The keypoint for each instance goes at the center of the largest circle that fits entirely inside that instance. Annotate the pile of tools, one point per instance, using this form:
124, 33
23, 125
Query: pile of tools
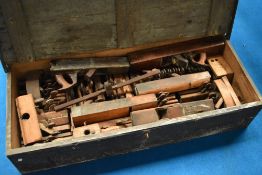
77, 98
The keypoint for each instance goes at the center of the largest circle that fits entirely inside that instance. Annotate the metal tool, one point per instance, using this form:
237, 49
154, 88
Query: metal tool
95, 94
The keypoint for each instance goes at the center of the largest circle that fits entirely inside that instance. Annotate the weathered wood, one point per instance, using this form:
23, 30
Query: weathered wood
18, 29
150, 135
220, 67
141, 21
58, 27
55, 28
221, 20
32, 85
6, 49
117, 64
108, 110
173, 84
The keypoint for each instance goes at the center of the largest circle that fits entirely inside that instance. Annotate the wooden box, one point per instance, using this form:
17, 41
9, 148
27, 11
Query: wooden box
36, 32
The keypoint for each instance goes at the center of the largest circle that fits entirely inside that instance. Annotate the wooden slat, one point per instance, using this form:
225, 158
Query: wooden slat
241, 80
173, 84
28, 119
228, 100
231, 90
97, 112
220, 67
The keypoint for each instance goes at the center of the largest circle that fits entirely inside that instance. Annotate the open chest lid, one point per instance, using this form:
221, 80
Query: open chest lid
32, 30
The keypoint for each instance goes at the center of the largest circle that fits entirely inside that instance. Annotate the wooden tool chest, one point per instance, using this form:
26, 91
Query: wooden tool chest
88, 79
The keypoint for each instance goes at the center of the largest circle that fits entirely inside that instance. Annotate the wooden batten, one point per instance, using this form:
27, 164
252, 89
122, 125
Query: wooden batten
242, 81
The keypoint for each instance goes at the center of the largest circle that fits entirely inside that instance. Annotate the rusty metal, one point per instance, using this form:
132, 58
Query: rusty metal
108, 86
164, 98
55, 98
169, 71
183, 64
48, 85
180, 61
95, 94
110, 93
168, 100
162, 95
144, 116
28, 119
